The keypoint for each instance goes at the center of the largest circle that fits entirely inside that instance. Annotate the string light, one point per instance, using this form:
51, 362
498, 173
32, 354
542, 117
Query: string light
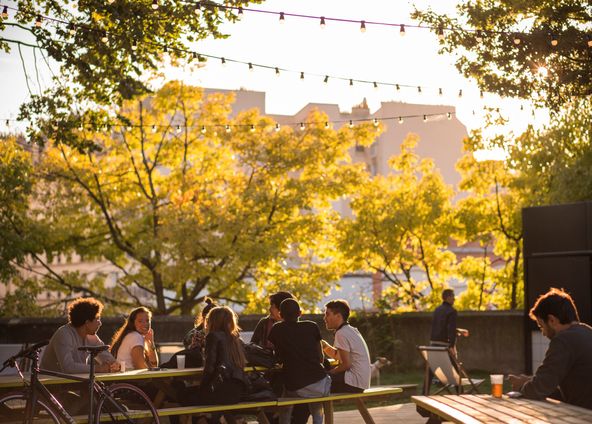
460, 93
400, 119
440, 92
398, 87
277, 127
517, 39
228, 128
402, 30
351, 82
38, 21
425, 118
481, 95
252, 128
154, 4
323, 22
449, 115
326, 125
351, 124
153, 129
362, 26
375, 84
479, 36
5, 12
197, 8
302, 76
223, 61
203, 129
250, 67
277, 71
419, 89
302, 126
178, 129
326, 80
441, 33
104, 37
589, 41
375, 122
282, 19
554, 40
72, 29
240, 13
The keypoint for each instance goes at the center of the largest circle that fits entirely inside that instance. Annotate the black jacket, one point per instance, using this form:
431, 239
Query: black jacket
444, 324
217, 355
261, 334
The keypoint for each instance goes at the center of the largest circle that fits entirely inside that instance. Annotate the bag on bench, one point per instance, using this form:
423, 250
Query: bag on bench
258, 388
259, 356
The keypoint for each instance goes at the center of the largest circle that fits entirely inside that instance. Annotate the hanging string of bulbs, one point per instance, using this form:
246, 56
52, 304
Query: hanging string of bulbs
251, 66
204, 127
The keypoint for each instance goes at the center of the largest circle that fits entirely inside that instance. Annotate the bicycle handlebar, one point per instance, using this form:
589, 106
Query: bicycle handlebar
24, 352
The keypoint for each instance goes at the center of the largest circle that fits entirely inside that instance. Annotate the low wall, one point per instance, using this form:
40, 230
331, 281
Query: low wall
496, 341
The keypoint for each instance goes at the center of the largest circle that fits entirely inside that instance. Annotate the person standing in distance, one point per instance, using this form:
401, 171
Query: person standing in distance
352, 375
444, 323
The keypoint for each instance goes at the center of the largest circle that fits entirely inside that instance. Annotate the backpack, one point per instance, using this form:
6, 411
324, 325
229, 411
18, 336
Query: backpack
259, 356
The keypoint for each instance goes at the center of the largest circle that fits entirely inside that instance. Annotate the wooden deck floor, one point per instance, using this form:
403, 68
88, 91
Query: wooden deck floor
401, 413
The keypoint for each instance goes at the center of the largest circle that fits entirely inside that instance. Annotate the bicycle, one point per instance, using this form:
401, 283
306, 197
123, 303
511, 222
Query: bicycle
119, 402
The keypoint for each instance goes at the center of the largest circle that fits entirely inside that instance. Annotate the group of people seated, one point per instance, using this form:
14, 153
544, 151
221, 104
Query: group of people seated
296, 343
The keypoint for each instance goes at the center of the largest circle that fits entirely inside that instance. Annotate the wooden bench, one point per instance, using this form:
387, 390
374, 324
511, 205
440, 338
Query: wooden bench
260, 407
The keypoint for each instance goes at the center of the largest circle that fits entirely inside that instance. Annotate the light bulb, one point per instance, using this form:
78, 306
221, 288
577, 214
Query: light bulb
479, 36
154, 4
153, 129
351, 82
441, 33
419, 89
517, 39
72, 29
178, 129
250, 67
323, 22
165, 49
589, 41
351, 124
481, 95
402, 30
449, 116
5, 12
301, 76
460, 93
326, 125
302, 126
362, 26
104, 37
375, 122
375, 84
425, 118
38, 21
326, 80
400, 119
282, 19
252, 128
223, 61
398, 87
554, 40
228, 128
277, 127
240, 13
277, 72
203, 129
440, 92
197, 8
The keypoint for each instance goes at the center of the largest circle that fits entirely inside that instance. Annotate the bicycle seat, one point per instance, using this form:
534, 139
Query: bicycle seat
93, 350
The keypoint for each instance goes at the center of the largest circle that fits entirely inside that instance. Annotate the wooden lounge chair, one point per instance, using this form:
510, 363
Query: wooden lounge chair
448, 370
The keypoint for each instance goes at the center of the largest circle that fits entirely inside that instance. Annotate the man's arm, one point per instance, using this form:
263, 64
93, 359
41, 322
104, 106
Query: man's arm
451, 328
344, 362
555, 367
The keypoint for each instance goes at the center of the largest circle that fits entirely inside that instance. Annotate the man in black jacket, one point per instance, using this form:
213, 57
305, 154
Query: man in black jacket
566, 371
444, 323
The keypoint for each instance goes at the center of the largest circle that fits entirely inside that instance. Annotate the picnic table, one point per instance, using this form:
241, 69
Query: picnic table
477, 409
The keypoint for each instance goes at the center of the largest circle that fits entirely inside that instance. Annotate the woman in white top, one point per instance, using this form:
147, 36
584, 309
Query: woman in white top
133, 343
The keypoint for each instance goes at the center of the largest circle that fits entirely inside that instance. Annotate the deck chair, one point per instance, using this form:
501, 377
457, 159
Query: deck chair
446, 369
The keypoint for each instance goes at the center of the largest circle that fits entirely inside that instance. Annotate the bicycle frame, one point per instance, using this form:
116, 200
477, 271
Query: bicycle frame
36, 389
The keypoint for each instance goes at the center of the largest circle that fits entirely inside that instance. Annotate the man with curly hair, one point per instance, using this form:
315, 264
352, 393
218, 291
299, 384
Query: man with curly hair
62, 354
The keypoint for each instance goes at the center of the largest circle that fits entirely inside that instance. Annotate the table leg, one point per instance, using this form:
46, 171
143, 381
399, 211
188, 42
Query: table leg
328, 409
364, 412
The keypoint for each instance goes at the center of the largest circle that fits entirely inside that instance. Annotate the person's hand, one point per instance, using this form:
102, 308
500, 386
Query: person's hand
108, 367
463, 332
114, 366
517, 381
149, 337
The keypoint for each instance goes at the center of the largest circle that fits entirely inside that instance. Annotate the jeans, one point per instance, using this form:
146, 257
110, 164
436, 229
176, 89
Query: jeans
318, 389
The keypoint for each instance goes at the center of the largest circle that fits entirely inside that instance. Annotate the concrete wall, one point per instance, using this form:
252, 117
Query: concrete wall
496, 342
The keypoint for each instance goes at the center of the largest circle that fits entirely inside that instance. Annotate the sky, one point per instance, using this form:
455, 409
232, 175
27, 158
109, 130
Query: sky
340, 49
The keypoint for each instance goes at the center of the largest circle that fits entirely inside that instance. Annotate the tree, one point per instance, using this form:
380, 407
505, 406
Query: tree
490, 215
401, 229
502, 44
107, 51
193, 209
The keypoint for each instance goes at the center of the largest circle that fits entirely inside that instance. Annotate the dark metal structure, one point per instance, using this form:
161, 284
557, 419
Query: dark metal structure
557, 253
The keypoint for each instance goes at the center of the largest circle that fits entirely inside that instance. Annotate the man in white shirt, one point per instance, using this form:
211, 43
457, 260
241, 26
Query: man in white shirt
352, 375
62, 354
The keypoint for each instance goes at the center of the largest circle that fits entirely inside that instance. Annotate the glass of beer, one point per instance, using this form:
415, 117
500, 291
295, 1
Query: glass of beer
497, 384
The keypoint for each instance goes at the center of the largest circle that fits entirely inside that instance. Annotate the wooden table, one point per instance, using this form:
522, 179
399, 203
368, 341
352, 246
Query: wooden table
13, 381
476, 409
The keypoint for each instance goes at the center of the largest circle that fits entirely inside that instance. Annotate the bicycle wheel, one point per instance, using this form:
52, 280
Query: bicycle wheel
125, 403
13, 406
